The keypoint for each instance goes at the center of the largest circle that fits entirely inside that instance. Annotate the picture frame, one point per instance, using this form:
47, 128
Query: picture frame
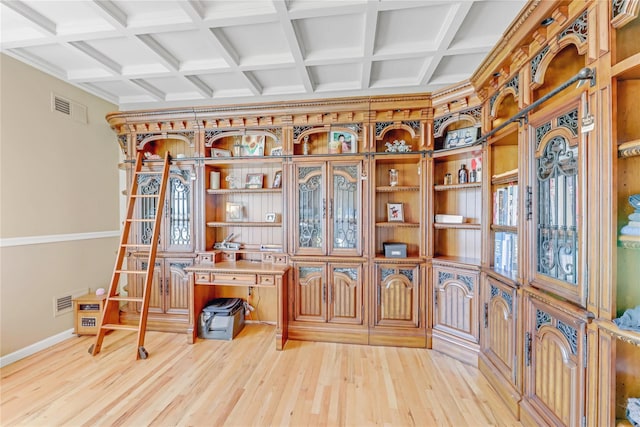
395, 212
235, 212
252, 145
342, 142
270, 217
219, 152
277, 180
276, 151
461, 137
254, 180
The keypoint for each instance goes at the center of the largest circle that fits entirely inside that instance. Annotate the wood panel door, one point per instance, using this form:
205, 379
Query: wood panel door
397, 295
310, 292
345, 294
170, 288
498, 338
456, 302
555, 364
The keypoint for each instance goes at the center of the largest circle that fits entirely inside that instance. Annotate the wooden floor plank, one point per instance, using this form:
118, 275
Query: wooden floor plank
244, 382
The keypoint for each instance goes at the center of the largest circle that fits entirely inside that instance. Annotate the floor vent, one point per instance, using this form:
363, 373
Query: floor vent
75, 110
64, 304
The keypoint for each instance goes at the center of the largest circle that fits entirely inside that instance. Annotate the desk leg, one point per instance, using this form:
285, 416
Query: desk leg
282, 325
202, 294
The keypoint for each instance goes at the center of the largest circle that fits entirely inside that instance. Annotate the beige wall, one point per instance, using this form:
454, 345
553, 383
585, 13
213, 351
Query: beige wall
57, 177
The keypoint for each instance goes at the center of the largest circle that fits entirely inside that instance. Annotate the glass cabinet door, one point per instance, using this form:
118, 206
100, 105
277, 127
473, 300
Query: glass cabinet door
310, 209
344, 208
176, 234
556, 197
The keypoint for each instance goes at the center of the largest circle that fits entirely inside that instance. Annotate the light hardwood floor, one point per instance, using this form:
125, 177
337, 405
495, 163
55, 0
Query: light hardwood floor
244, 382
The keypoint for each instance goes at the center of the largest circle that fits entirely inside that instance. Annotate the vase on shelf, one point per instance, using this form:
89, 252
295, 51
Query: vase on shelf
393, 177
633, 227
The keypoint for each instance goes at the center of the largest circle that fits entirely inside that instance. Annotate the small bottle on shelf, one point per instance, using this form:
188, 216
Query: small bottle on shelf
473, 176
463, 175
448, 179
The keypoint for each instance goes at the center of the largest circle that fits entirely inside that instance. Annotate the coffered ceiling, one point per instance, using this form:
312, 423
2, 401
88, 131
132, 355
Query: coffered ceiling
169, 53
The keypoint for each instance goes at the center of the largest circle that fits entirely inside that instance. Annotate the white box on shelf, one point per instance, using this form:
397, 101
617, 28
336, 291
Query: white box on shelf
451, 219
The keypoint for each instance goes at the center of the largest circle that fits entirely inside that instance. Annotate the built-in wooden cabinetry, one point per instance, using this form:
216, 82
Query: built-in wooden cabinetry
520, 267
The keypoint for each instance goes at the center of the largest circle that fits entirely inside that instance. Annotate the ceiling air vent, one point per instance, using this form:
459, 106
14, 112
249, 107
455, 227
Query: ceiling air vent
75, 110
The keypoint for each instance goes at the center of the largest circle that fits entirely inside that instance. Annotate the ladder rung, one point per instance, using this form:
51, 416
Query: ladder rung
141, 219
131, 271
127, 299
119, 327
135, 245
146, 196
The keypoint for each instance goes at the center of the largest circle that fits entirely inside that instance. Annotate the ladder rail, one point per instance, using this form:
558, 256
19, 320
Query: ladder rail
111, 311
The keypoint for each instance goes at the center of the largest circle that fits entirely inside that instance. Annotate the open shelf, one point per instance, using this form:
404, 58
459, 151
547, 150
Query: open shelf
244, 224
505, 178
504, 228
449, 259
452, 225
629, 242
629, 149
394, 189
243, 190
442, 187
397, 224
612, 329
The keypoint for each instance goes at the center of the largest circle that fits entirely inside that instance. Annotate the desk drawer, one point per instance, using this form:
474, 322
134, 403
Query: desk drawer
266, 279
203, 277
234, 278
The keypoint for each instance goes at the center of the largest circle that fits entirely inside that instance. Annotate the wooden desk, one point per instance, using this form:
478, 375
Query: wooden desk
204, 277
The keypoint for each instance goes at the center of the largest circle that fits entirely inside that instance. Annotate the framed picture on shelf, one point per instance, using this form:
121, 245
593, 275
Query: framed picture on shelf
342, 142
254, 180
395, 212
252, 145
461, 137
218, 152
277, 180
270, 217
234, 212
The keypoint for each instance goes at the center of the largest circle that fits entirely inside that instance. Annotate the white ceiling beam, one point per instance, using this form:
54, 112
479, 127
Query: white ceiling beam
112, 13
40, 20
451, 25
37, 62
370, 27
295, 45
150, 89
165, 56
98, 56
202, 87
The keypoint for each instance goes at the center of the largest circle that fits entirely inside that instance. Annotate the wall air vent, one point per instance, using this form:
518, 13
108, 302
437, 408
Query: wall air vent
64, 304
75, 110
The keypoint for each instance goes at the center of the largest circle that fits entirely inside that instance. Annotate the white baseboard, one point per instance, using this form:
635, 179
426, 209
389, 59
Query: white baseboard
34, 348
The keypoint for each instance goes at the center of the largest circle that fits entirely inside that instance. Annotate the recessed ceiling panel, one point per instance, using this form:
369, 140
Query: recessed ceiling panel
258, 44
152, 13
396, 72
118, 88
66, 58
452, 67
340, 36
70, 17
416, 28
336, 77
192, 49
134, 56
220, 10
226, 84
277, 81
16, 27
475, 31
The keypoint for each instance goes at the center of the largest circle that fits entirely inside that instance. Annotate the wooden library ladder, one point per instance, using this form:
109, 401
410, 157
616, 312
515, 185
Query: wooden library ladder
111, 314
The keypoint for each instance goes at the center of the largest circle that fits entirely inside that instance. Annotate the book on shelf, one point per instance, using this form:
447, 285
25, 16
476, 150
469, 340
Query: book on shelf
505, 251
505, 206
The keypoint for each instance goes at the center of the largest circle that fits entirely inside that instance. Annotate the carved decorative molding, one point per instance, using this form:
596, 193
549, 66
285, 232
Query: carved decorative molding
629, 149
579, 28
623, 12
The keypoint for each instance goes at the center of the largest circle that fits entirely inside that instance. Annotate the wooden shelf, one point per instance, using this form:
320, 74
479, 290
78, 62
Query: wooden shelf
458, 153
628, 68
612, 329
244, 224
244, 190
395, 189
509, 276
462, 226
504, 228
457, 260
397, 224
629, 149
410, 258
447, 187
505, 178
629, 242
